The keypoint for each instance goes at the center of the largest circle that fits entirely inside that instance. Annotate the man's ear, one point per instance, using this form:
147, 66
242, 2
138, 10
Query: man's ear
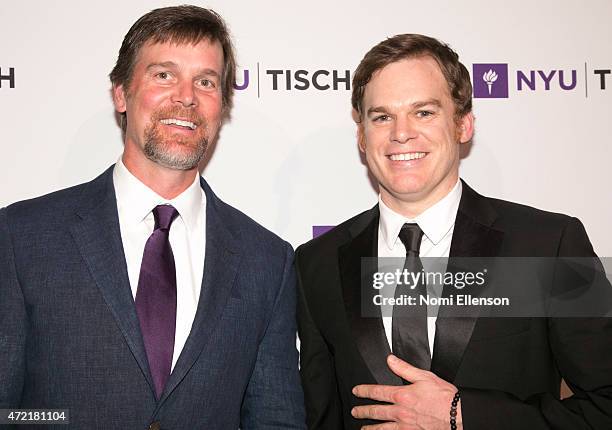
466, 127
360, 133
119, 98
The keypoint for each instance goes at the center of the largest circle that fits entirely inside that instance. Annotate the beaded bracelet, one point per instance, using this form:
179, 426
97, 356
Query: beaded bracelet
453, 411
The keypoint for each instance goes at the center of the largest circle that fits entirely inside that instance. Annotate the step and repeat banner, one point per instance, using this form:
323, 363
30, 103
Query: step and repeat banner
289, 155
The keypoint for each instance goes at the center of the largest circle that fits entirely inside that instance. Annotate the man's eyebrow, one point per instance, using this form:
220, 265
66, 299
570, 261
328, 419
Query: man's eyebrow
434, 102
209, 72
169, 64
173, 65
376, 109
415, 105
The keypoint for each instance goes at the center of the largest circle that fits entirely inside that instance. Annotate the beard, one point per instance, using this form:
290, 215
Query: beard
175, 151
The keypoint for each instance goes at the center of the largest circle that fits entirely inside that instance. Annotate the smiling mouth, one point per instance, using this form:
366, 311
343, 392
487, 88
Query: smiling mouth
407, 156
179, 122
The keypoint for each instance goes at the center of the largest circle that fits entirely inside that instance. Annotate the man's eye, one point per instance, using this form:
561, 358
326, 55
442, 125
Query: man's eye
163, 75
424, 113
207, 83
381, 118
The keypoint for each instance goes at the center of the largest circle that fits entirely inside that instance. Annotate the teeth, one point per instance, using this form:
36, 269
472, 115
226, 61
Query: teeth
407, 156
179, 122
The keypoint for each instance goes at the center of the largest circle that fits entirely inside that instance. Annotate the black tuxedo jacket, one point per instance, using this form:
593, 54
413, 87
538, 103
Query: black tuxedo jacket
508, 369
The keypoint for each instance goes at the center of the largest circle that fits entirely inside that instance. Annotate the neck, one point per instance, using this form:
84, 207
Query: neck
407, 209
168, 183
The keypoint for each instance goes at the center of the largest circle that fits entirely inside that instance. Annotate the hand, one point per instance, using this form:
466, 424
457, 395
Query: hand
425, 404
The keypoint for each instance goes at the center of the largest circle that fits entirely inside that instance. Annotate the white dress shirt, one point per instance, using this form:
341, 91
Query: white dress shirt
437, 223
135, 203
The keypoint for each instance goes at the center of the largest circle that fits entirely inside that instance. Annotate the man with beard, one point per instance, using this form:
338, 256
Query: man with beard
140, 299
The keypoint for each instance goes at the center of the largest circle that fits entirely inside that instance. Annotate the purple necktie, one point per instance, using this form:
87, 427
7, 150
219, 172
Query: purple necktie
156, 297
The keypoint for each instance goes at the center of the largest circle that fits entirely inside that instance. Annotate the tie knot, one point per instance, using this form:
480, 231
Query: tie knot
411, 235
164, 215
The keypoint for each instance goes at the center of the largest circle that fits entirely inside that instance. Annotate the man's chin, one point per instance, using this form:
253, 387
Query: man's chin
174, 162
410, 190
176, 156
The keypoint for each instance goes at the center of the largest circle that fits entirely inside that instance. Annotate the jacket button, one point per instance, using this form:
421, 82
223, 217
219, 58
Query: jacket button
155, 425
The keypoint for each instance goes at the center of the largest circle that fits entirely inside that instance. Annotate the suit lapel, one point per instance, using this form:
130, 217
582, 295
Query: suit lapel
367, 331
98, 237
220, 268
473, 236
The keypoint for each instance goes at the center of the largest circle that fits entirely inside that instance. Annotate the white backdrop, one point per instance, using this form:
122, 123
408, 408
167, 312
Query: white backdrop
289, 158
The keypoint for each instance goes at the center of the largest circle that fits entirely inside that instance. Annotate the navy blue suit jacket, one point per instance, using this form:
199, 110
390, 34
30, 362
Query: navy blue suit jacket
70, 337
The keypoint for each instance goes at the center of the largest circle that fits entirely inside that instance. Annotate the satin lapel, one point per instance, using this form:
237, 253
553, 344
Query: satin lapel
368, 332
220, 268
472, 237
98, 238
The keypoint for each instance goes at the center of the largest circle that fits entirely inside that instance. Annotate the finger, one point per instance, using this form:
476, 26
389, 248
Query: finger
383, 426
406, 371
382, 393
376, 412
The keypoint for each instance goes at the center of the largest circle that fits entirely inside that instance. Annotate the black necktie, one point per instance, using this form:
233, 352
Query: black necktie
409, 332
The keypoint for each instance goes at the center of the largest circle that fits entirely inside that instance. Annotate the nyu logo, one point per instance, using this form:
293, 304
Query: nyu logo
530, 79
10, 77
490, 80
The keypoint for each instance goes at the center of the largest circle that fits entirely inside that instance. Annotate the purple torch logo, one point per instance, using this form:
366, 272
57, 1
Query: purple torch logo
490, 80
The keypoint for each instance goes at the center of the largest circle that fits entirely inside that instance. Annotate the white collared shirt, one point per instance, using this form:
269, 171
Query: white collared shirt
135, 203
437, 223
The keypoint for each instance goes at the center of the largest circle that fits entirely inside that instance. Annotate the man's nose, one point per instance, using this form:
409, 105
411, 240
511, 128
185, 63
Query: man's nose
184, 94
403, 130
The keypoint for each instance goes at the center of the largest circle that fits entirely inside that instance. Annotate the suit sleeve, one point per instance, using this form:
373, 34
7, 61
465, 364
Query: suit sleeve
13, 323
323, 406
274, 398
582, 348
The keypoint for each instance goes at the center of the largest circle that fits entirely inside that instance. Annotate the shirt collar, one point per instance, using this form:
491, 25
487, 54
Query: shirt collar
135, 200
436, 221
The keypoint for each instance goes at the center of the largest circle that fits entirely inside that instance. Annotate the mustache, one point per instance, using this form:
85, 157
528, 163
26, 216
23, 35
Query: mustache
177, 112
